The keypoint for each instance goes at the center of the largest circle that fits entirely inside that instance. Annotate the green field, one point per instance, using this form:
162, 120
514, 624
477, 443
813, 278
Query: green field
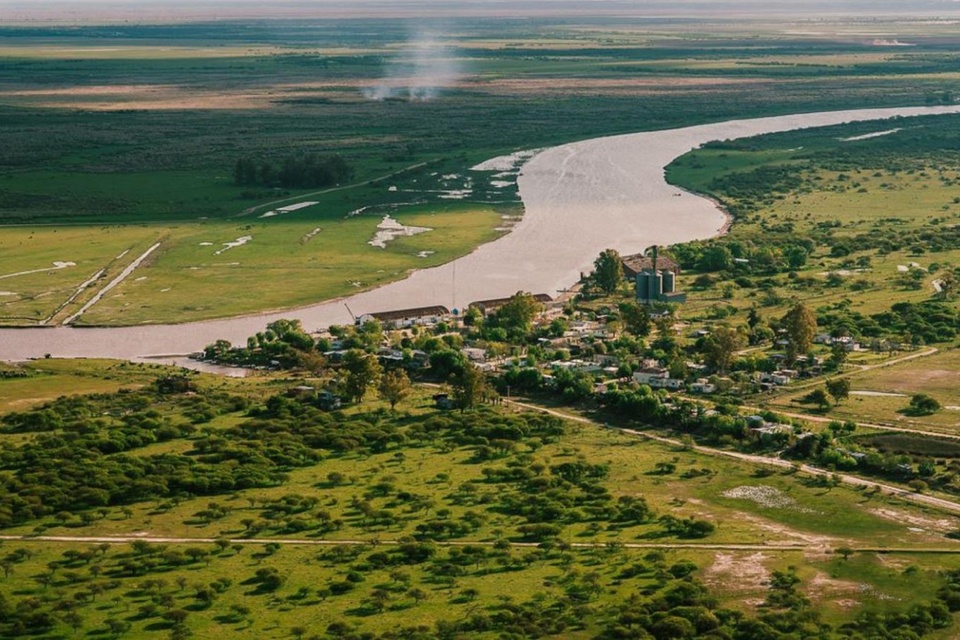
874, 218
149, 121
881, 395
303, 258
372, 479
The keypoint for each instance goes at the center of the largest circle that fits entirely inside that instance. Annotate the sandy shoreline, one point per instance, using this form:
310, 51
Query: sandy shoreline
580, 199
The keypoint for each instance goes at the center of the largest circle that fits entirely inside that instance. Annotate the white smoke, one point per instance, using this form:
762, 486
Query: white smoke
426, 67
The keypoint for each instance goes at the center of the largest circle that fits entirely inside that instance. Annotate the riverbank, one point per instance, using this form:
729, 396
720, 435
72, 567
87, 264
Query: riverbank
580, 199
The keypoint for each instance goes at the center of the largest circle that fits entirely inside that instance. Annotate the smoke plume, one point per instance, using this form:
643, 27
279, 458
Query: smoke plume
426, 67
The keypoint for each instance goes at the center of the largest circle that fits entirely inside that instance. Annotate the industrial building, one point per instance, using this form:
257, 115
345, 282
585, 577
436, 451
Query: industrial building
654, 284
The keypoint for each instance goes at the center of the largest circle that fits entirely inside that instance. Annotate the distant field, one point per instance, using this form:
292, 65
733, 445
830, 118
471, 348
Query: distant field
883, 191
149, 120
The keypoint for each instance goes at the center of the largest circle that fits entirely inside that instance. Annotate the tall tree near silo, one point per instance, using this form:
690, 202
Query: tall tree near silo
518, 313
469, 387
608, 270
363, 372
721, 346
394, 387
800, 323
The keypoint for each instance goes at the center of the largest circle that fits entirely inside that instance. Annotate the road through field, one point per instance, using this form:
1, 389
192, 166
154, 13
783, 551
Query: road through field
931, 501
579, 199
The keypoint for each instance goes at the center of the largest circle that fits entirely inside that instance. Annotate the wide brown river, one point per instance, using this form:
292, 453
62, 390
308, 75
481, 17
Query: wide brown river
580, 199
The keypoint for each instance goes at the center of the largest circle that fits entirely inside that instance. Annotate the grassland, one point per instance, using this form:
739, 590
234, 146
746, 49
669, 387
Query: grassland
876, 204
881, 396
874, 198
793, 522
149, 121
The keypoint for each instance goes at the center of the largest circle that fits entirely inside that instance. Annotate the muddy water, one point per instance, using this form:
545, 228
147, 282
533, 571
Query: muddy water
580, 199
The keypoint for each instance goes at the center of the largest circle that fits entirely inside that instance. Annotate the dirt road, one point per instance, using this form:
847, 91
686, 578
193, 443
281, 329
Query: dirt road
931, 501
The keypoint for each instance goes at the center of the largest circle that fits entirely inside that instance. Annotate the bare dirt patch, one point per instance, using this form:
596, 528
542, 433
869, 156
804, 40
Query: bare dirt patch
818, 546
823, 587
144, 96
939, 525
738, 571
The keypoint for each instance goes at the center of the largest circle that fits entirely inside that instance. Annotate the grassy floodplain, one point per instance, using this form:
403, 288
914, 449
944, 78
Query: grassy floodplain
149, 120
878, 204
299, 260
430, 469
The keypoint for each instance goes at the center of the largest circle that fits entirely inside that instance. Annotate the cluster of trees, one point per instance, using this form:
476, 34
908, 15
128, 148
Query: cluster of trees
295, 172
283, 344
82, 458
357, 369
907, 323
746, 257
512, 322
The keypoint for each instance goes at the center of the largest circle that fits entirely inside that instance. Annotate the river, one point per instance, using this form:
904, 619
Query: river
580, 199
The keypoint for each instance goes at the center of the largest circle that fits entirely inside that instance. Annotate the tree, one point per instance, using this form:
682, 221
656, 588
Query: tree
74, 619
838, 354
394, 387
818, 397
839, 389
116, 627
417, 594
518, 313
608, 271
801, 326
311, 361
244, 172
721, 346
844, 552
923, 405
636, 319
363, 371
796, 256
947, 285
716, 257
469, 387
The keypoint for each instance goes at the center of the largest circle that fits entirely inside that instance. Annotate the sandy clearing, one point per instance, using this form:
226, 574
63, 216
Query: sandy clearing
815, 544
288, 209
83, 287
939, 525
619, 86
878, 394
738, 571
579, 199
94, 90
822, 585
765, 496
239, 242
307, 237
389, 230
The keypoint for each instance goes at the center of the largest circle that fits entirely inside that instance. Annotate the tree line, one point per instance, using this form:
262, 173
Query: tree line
295, 172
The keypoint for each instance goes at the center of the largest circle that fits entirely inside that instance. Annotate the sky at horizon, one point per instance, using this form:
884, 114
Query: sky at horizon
107, 10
